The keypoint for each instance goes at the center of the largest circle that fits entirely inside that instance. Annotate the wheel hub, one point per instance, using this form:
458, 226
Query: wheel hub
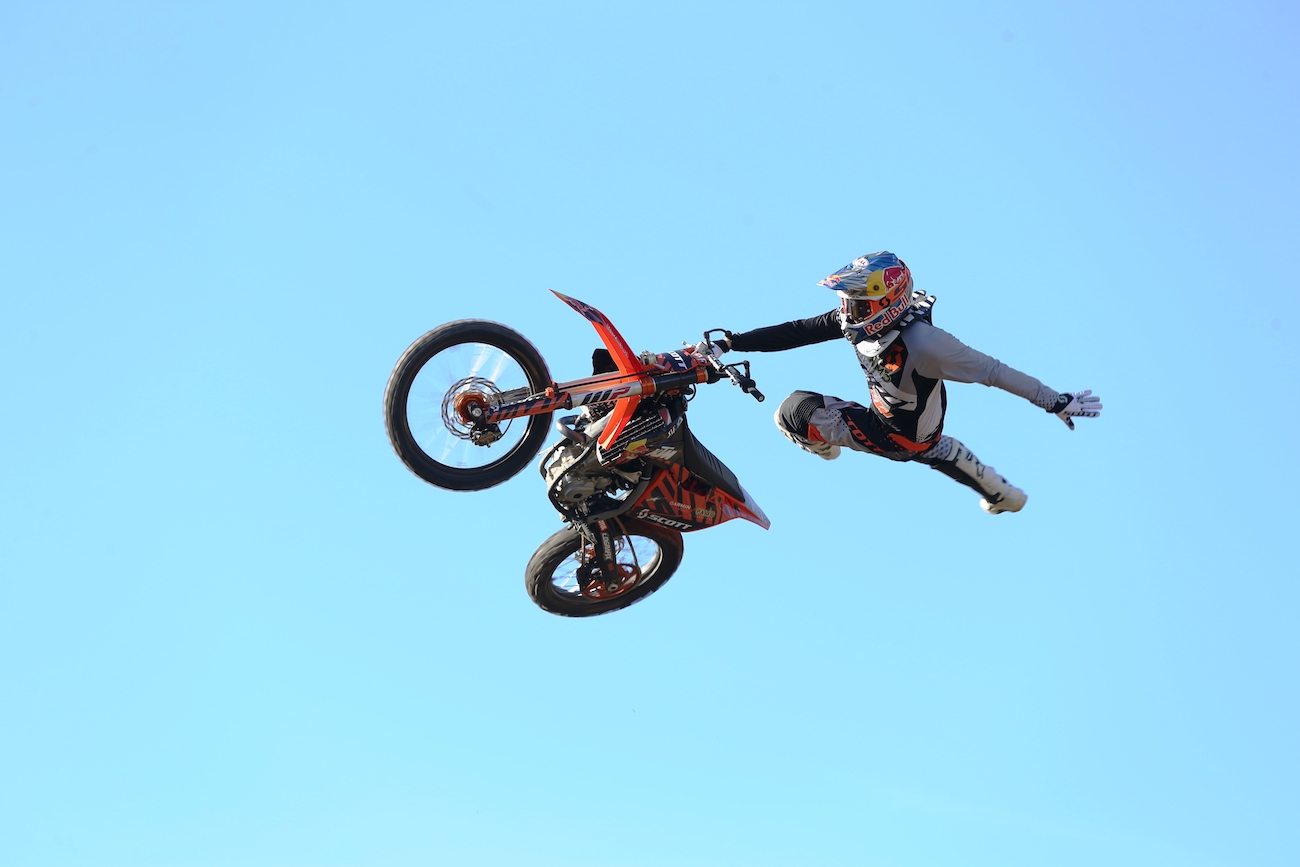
464, 407
596, 585
470, 406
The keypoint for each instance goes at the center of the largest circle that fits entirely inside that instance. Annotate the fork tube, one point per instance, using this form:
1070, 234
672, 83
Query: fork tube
567, 395
597, 389
529, 406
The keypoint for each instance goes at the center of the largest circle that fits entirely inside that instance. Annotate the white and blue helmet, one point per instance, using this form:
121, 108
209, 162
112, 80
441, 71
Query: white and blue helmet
875, 292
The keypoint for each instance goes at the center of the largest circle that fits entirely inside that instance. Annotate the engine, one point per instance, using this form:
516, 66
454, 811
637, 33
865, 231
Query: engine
576, 477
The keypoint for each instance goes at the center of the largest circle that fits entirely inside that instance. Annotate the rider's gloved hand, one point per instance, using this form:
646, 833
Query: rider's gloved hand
705, 347
1080, 403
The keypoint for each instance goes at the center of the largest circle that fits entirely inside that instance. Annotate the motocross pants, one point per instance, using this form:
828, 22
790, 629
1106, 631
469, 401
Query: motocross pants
821, 424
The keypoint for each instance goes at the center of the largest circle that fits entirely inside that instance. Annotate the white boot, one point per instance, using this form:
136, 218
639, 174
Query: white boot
951, 457
825, 451
1012, 499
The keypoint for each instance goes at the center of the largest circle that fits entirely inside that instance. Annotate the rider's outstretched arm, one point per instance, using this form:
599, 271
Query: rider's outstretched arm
939, 355
788, 335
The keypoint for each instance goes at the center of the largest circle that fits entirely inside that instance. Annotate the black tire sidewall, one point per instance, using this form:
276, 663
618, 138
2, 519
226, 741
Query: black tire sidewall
399, 387
561, 545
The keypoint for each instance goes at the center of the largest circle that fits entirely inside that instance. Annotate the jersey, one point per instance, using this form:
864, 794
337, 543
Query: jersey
906, 369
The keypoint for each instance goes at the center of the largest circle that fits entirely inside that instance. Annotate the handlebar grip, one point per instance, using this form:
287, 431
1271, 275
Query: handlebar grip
747, 386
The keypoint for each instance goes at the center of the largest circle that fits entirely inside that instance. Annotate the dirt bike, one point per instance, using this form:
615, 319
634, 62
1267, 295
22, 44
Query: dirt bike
469, 404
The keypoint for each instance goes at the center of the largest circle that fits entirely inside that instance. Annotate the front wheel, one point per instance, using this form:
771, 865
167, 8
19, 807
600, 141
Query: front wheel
469, 363
558, 581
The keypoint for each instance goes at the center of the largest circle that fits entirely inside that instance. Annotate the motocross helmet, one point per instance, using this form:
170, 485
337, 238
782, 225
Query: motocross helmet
875, 292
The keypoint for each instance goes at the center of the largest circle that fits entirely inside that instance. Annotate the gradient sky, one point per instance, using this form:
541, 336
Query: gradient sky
235, 630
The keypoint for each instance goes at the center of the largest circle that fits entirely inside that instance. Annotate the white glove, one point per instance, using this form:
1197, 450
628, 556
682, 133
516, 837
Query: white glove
1079, 403
704, 347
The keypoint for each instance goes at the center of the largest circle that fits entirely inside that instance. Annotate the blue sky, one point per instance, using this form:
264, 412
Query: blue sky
235, 630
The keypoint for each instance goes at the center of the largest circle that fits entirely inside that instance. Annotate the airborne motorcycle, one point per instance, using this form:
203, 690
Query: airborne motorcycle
469, 404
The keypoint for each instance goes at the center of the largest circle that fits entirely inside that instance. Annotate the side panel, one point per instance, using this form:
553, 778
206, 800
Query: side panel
673, 500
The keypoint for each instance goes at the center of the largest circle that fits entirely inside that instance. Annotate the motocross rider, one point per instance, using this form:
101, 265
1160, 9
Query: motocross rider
906, 360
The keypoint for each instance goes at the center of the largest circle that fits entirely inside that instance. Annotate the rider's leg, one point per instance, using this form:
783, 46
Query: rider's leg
821, 424
954, 460
794, 419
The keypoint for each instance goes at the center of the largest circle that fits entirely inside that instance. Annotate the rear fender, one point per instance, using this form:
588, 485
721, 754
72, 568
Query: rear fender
628, 363
619, 350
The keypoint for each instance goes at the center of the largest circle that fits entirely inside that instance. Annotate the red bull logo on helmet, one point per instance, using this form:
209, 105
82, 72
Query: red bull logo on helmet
896, 278
873, 274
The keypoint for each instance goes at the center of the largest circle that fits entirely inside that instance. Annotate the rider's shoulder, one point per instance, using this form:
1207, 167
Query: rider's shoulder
922, 336
922, 331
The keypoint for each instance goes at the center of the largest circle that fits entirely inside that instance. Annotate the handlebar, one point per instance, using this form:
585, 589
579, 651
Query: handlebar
732, 371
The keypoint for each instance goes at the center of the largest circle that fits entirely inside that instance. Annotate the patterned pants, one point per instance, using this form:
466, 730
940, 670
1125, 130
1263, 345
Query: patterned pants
817, 422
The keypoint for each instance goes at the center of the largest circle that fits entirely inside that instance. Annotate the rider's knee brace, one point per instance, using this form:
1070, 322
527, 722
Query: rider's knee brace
794, 418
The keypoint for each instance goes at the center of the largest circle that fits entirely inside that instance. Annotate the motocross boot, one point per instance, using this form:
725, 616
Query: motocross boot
952, 458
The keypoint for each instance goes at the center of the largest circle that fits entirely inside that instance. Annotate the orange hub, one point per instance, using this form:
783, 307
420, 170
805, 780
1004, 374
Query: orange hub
465, 400
628, 575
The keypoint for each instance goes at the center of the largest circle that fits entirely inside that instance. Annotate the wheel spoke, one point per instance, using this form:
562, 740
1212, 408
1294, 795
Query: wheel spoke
443, 374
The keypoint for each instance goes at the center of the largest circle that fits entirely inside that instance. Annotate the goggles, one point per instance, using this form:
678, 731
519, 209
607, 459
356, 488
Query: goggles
860, 309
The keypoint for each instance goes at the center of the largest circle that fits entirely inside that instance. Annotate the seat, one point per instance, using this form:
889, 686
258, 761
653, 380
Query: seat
702, 463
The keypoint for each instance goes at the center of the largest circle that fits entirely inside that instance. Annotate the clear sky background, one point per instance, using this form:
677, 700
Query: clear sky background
235, 630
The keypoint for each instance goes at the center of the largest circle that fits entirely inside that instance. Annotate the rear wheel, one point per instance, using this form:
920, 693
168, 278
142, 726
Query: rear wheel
439, 385
558, 581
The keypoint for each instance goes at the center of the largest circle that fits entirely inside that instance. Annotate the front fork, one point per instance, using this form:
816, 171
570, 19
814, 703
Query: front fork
601, 574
